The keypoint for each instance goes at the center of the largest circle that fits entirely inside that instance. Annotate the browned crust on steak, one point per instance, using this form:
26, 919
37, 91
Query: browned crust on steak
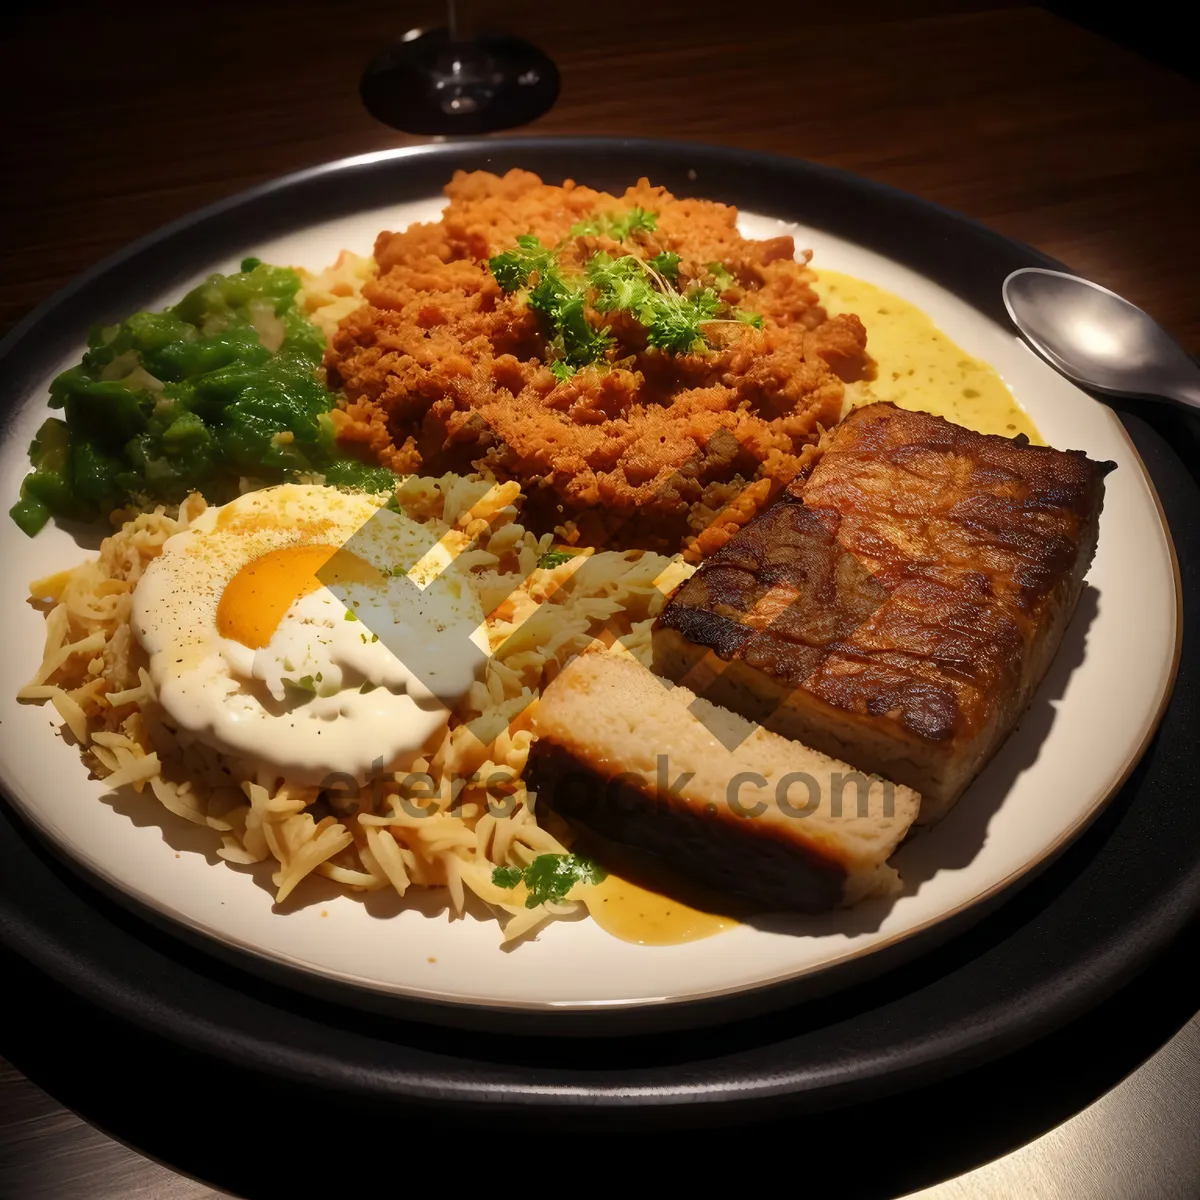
933, 571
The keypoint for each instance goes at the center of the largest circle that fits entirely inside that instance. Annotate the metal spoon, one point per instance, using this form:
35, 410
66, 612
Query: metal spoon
1098, 339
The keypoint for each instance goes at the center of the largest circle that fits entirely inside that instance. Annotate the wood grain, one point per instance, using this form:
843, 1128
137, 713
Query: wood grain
46, 1151
1050, 134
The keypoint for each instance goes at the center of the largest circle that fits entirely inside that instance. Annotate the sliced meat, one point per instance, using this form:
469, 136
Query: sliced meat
719, 799
899, 606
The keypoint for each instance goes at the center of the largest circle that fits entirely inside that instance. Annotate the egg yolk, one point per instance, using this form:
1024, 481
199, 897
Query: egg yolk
257, 597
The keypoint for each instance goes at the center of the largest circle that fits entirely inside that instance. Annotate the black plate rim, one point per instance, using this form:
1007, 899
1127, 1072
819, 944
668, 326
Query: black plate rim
1058, 997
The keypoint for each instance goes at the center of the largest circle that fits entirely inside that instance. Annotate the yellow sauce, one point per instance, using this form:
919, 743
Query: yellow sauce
641, 900
919, 367
635, 914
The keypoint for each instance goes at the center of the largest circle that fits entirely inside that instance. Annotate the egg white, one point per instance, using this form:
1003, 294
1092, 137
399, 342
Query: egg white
357, 677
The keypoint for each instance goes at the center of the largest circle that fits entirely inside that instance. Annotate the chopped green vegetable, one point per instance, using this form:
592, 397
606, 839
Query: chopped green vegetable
618, 226
592, 227
675, 326
666, 263
578, 342
513, 268
646, 289
30, 514
350, 615
621, 284
560, 302
721, 274
554, 558
549, 877
221, 385
636, 220
358, 476
551, 293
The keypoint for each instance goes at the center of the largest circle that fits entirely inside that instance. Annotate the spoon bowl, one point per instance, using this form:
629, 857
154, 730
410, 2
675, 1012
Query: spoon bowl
1099, 339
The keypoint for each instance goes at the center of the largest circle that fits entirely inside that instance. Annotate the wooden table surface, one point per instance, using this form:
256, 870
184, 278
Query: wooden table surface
123, 117
139, 112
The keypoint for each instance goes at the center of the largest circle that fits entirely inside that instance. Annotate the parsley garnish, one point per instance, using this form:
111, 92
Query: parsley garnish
350, 616
551, 293
589, 228
618, 226
513, 268
721, 274
646, 289
549, 877
620, 283
675, 326
559, 300
554, 558
606, 274
636, 220
578, 342
666, 263
672, 319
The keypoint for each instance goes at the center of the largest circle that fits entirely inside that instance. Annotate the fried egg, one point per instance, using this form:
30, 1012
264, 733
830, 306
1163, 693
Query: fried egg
310, 632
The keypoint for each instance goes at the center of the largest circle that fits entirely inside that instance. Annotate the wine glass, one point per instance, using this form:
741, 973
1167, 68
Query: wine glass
457, 81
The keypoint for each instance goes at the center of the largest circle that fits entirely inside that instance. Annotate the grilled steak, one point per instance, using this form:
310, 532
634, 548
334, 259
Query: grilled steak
898, 607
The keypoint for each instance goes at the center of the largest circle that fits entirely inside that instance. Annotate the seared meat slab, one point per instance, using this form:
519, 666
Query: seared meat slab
899, 606
642, 761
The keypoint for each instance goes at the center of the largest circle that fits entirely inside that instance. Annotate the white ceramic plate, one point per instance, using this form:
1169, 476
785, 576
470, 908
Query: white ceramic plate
1085, 730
